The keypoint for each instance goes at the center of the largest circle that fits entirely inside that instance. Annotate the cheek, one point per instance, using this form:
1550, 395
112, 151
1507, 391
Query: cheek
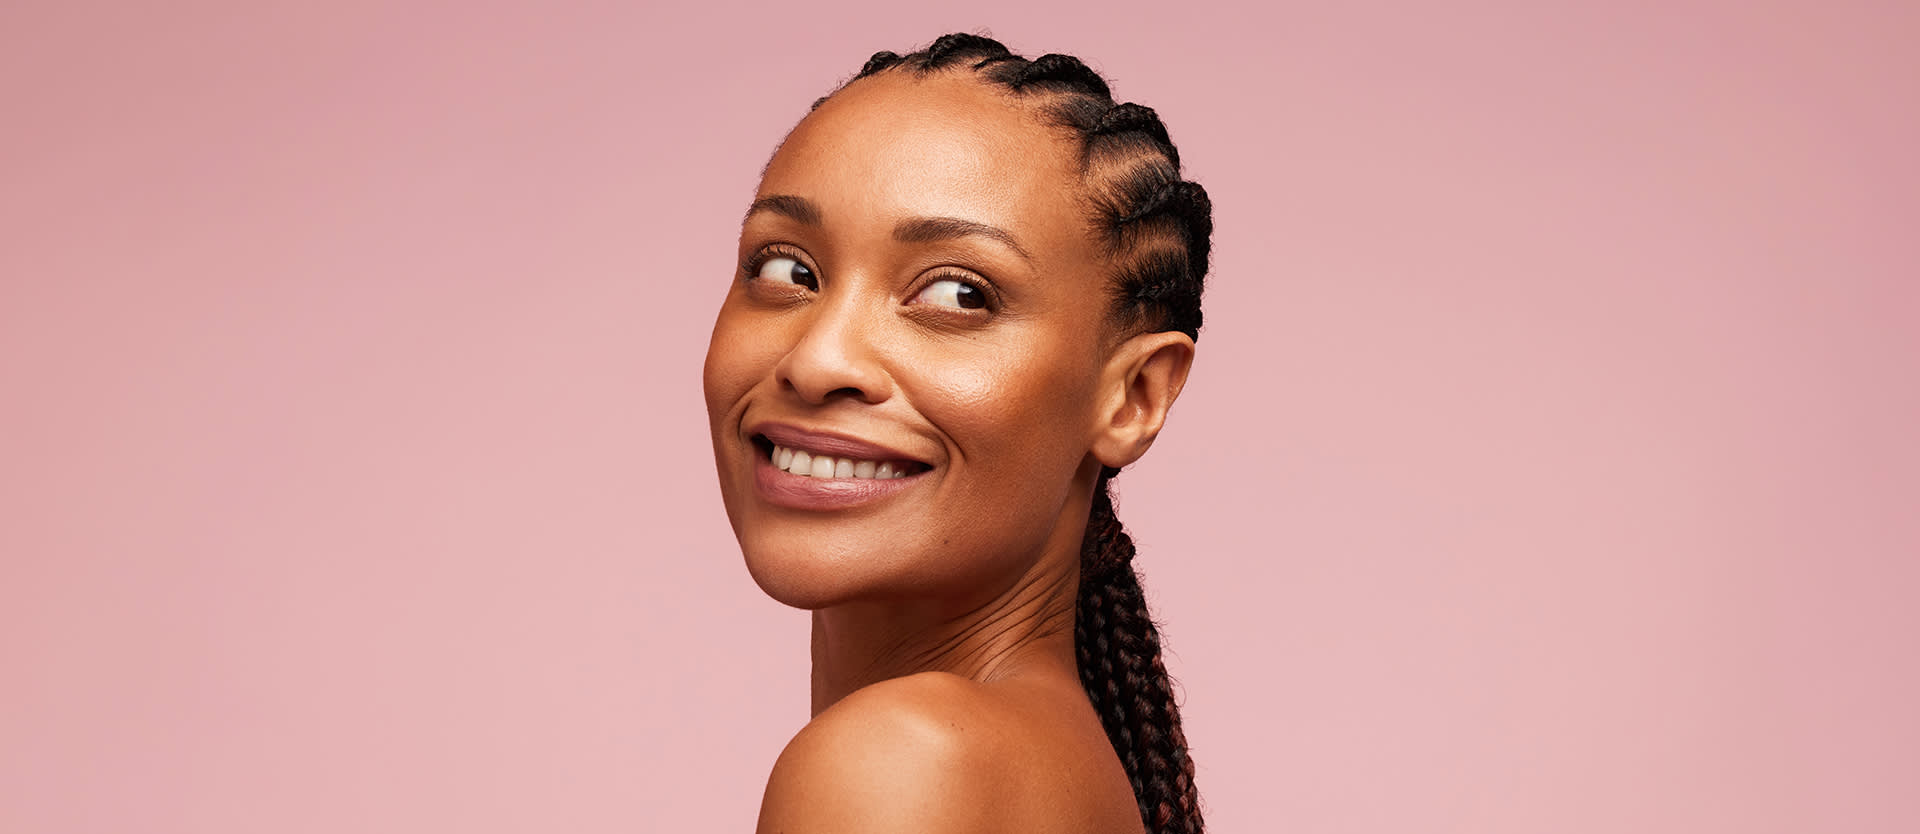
735, 361
1018, 422
1024, 411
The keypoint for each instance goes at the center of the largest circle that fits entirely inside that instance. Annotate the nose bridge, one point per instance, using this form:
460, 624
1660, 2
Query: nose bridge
836, 351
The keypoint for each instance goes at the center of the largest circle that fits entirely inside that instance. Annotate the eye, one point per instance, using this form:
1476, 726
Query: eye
781, 269
949, 292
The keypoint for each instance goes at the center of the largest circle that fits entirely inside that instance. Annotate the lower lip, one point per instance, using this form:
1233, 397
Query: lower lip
799, 492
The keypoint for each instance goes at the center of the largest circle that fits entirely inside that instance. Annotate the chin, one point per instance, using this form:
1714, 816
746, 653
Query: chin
819, 574
812, 577
793, 585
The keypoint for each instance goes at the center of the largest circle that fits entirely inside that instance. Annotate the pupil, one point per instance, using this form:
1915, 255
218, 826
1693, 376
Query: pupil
804, 277
969, 297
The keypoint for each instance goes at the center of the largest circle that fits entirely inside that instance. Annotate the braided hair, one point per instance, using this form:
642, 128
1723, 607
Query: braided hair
1157, 229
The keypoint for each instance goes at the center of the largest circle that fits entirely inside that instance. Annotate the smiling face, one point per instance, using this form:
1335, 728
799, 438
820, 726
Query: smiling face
903, 382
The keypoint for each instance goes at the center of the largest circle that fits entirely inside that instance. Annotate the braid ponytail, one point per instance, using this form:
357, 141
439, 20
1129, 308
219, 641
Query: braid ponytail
1118, 649
1158, 229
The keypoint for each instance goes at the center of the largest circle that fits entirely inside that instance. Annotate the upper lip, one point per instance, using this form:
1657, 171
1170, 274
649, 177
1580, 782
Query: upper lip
817, 441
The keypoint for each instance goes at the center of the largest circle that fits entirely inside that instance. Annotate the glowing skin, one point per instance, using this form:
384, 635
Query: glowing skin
996, 400
918, 298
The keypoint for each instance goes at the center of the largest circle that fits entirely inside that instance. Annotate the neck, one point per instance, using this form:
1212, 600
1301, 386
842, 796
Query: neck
1026, 629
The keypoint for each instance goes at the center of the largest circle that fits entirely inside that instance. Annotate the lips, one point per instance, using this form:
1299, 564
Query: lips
818, 470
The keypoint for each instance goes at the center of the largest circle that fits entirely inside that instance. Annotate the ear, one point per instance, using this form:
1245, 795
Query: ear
1138, 387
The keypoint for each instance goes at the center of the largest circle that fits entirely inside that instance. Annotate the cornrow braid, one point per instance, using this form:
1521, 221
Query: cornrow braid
1065, 71
1158, 231
880, 60
1122, 119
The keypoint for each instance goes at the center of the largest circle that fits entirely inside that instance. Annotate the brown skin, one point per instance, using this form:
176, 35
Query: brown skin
945, 696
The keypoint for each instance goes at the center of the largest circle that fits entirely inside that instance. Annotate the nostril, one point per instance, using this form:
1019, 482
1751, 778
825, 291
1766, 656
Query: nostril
830, 364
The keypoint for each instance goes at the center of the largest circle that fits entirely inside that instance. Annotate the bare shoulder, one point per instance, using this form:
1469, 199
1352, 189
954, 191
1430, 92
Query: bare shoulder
909, 754
928, 753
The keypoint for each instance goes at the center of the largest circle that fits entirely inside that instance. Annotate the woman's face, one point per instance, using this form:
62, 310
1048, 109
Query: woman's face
918, 297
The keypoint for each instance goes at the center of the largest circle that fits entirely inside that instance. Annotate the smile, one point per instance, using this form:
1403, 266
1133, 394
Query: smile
818, 465
804, 469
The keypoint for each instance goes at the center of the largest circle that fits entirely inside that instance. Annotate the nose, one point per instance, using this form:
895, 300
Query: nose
836, 355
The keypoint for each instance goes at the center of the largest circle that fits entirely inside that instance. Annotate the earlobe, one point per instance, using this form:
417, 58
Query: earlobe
1143, 378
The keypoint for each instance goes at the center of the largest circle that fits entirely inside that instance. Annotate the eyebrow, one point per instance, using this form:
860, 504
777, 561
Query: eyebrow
931, 229
910, 230
786, 205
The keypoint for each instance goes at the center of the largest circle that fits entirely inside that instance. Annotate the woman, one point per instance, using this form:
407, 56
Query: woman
968, 292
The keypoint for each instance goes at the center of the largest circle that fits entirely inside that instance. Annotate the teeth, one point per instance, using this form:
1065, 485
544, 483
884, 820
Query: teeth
810, 465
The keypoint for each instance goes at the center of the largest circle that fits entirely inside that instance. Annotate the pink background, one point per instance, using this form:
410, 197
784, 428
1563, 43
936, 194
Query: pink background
1550, 464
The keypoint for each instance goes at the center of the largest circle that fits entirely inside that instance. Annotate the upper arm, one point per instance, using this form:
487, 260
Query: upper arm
898, 756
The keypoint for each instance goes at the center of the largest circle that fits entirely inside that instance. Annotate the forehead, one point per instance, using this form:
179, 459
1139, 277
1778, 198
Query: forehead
893, 145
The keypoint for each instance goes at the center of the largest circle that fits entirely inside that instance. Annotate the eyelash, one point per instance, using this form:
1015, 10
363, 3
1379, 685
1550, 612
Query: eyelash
980, 285
767, 253
758, 259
